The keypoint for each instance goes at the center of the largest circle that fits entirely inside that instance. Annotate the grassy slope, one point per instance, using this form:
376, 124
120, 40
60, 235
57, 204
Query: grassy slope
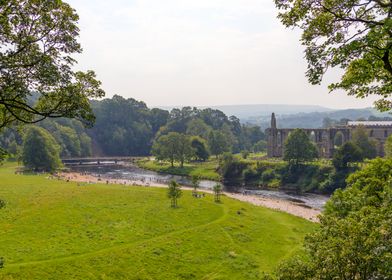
204, 170
57, 230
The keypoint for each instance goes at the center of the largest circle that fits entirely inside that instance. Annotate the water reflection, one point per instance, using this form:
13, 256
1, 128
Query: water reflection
133, 173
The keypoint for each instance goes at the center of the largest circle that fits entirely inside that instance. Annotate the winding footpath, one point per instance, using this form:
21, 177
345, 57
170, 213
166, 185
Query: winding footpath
91, 254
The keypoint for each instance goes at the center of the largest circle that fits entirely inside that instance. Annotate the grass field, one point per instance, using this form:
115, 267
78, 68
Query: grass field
51, 229
204, 170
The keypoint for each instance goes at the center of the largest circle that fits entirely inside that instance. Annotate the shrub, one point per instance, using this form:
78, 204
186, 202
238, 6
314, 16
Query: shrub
2, 203
268, 175
251, 176
275, 183
244, 154
232, 169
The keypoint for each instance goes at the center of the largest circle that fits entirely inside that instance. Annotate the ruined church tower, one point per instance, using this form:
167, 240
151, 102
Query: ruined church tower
272, 133
273, 121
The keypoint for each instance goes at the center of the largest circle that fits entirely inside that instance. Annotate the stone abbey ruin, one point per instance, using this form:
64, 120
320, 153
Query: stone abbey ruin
324, 138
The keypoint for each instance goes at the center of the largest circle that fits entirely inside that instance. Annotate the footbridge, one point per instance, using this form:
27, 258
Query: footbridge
96, 160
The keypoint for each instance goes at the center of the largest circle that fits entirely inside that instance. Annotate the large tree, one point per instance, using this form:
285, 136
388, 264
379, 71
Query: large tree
173, 147
353, 35
199, 146
165, 147
298, 148
184, 150
346, 154
37, 80
218, 143
40, 150
368, 146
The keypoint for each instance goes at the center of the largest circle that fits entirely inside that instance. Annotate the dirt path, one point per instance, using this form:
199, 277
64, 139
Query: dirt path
276, 204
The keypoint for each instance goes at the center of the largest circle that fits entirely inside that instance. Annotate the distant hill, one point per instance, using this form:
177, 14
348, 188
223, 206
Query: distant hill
315, 119
244, 112
291, 116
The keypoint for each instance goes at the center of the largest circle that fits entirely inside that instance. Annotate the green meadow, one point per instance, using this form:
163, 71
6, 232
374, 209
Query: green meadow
52, 229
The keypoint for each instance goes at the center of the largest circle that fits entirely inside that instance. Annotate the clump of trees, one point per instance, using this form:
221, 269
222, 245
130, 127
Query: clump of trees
345, 158
343, 161
40, 150
193, 134
173, 147
232, 169
174, 193
354, 239
222, 133
69, 134
125, 127
128, 127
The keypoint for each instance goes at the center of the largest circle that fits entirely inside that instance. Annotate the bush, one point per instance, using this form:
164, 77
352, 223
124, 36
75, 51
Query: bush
268, 175
275, 183
251, 176
244, 154
2, 203
335, 180
232, 169
306, 177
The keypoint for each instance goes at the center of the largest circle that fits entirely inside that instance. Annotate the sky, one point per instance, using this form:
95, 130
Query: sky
199, 52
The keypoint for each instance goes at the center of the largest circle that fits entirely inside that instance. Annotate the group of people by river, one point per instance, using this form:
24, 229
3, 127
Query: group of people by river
83, 178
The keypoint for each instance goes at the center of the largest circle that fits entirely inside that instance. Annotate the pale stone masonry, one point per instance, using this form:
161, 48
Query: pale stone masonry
324, 138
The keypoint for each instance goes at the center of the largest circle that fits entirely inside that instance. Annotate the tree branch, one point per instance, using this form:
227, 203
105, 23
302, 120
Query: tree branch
387, 62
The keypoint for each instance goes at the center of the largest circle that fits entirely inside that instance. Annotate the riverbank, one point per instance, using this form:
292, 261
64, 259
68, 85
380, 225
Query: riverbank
272, 203
203, 170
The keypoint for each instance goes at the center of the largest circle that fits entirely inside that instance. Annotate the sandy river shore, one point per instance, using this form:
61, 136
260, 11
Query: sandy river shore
276, 204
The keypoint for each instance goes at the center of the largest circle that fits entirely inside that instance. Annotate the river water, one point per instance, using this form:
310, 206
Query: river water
131, 172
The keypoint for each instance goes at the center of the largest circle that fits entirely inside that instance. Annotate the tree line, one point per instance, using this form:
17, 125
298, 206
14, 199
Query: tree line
127, 127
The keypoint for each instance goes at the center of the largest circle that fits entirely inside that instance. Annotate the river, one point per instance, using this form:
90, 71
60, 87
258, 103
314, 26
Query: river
131, 172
